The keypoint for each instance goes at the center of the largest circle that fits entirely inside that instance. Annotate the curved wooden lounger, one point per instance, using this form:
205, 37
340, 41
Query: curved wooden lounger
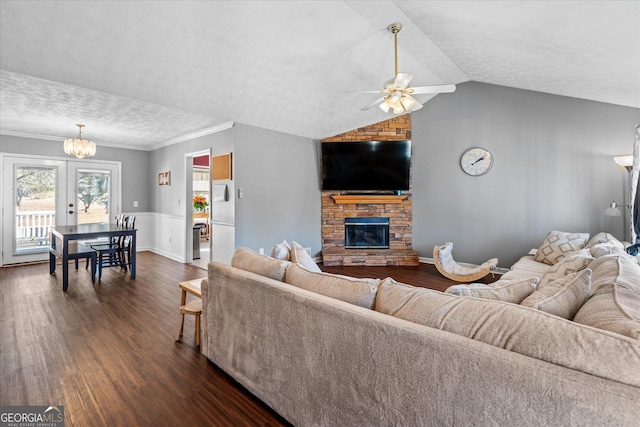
449, 268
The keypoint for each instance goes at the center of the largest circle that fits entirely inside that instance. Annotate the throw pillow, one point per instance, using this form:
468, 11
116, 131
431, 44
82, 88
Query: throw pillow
513, 291
248, 260
571, 263
360, 292
603, 237
300, 256
562, 297
281, 251
606, 248
557, 244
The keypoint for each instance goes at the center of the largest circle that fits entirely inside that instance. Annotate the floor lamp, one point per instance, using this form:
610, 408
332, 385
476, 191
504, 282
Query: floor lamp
625, 161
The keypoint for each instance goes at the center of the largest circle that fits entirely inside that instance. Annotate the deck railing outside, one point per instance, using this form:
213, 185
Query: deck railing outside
32, 228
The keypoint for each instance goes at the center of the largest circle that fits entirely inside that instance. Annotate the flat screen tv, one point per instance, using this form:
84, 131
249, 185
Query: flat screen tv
366, 166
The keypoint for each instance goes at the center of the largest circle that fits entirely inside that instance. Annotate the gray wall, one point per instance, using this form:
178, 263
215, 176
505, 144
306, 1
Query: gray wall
135, 165
170, 199
278, 174
553, 170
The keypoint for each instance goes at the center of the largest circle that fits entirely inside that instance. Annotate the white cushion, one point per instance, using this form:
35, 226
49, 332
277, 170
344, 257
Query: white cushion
300, 256
557, 244
281, 250
562, 297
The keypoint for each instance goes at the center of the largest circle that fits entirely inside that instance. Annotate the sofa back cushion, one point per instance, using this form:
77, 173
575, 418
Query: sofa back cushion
562, 297
558, 244
360, 292
248, 260
513, 291
615, 301
516, 328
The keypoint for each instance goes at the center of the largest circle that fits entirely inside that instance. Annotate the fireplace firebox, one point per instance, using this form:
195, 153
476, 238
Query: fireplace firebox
366, 233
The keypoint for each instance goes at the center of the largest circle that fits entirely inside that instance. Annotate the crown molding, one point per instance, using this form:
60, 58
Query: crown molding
177, 140
194, 135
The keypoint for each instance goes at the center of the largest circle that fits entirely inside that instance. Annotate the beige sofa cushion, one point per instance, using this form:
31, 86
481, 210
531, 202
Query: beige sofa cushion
576, 261
615, 302
558, 244
516, 328
526, 267
513, 291
562, 297
360, 292
300, 256
248, 260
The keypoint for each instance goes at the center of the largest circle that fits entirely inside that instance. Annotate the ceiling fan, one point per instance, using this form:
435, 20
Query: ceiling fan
397, 93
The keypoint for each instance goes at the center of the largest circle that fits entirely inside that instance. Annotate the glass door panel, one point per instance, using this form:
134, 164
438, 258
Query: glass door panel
32, 191
92, 193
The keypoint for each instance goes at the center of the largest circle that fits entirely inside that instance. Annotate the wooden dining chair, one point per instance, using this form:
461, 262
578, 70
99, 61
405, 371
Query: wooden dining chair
117, 252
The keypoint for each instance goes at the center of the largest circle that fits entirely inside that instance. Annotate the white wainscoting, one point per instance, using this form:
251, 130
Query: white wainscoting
161, 233
165, 235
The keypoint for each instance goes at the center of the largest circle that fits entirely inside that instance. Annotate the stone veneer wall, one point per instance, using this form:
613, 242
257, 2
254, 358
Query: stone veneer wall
399, 214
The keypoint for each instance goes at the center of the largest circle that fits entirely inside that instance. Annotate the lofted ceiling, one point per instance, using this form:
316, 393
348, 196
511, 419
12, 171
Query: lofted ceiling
147, 74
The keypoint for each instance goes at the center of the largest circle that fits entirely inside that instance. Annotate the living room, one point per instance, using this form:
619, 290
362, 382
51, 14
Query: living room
553, 149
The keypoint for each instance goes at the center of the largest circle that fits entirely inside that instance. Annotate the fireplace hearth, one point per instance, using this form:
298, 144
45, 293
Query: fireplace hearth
366, 233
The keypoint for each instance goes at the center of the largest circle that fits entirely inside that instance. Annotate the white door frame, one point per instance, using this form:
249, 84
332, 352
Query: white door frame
188, 208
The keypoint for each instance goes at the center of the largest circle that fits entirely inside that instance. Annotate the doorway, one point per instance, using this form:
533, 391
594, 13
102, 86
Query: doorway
39, 193
198, 212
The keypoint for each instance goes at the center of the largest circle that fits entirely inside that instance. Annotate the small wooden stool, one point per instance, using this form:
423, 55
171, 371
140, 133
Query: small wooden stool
195, 308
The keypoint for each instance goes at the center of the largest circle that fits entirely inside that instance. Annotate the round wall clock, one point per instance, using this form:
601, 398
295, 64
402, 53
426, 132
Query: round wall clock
476, 161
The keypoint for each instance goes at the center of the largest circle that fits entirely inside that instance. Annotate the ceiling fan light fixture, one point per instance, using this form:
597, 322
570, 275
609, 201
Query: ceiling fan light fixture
384, 107
79, 147
398, 110
408, 102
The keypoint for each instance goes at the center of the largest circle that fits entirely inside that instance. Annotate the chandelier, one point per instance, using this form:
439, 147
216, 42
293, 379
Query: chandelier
79, 147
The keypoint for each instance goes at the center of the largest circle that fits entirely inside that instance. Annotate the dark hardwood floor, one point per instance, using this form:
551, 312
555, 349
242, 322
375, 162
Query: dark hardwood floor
106, 350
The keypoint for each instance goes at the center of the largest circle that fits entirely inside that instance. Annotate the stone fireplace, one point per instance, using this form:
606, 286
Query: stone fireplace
337, 208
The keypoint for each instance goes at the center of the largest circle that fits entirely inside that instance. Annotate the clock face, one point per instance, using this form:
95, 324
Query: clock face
476, 161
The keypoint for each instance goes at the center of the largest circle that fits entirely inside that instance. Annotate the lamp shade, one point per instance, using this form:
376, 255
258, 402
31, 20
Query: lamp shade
612, 210
625, 161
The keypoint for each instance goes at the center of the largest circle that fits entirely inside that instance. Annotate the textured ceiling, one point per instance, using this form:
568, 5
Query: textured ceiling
147, 74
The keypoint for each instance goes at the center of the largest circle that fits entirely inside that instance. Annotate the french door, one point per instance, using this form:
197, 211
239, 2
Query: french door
39, 193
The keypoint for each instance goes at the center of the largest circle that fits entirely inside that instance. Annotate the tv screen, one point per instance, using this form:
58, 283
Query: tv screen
366, 166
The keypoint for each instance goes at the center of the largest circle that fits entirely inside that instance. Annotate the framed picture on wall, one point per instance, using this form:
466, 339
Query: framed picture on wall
164, 178
221, 167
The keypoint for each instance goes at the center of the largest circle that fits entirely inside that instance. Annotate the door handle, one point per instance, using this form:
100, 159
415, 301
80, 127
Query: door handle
70, 205
71, 212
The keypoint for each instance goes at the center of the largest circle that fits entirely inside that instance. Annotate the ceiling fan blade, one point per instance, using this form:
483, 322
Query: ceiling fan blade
365, 91
434, 89
402, 80
373, 104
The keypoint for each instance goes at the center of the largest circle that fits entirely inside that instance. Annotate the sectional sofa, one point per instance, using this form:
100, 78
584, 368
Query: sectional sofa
556, 341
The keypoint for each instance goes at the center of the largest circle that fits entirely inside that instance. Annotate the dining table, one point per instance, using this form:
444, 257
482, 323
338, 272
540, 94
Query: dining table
63, 234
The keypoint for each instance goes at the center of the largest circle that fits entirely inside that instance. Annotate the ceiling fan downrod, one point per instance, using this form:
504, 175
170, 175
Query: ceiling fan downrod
395, 29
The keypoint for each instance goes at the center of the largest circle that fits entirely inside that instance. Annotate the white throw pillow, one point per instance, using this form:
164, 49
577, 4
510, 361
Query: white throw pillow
300, 256
558, 244
513, 291
281, 251
562, 297
603, 237
571, 263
